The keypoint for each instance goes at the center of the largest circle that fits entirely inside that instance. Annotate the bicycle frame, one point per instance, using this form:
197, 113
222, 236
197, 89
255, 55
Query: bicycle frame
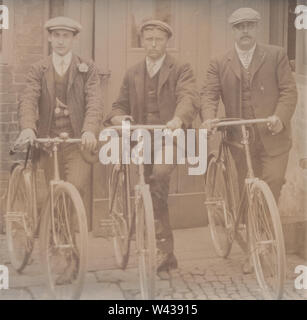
250, 177
32, 179
55, 142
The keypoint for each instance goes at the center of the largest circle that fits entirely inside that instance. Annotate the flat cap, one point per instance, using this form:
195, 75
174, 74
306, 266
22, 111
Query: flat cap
63, 23
243, 15
157, 24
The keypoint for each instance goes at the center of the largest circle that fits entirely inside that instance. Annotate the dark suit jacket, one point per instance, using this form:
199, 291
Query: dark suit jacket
83, 98
177, 93
273, 91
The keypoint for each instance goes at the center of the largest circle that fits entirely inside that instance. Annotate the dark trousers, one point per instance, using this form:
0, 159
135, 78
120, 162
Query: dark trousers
158, 177
271, 169
73, 169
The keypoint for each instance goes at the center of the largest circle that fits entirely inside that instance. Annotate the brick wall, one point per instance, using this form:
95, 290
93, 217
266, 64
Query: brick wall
27, 19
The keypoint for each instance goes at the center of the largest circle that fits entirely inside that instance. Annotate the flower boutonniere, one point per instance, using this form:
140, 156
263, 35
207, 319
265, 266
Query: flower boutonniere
83, 67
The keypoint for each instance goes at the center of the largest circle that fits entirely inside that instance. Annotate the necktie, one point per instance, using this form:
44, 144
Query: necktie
246, 60
62, 68
151, 70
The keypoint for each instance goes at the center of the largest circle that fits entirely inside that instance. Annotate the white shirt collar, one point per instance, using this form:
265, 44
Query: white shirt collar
245, 56
250, 51
154, 66
57, 62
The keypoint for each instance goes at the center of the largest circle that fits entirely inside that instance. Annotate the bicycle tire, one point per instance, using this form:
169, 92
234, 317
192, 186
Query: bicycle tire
232, 178
70, 226
145, 241
19, 217
121, 221
265, 230
217, 207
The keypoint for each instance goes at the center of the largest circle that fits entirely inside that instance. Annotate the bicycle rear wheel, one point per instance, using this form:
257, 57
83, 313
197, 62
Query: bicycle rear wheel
266, 240
64, 242
19, 217
145, 241
219, 214
120, 215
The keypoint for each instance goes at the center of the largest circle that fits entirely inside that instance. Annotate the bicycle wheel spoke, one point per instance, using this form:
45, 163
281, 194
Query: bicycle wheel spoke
65, 243
219, 208
20, 235
267, 250
120, 215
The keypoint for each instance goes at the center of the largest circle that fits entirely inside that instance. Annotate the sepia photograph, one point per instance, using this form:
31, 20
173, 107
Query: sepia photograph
153, 150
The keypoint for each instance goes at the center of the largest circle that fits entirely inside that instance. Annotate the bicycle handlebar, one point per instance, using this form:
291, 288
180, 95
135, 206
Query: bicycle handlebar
139, 126
230, 122
56, 140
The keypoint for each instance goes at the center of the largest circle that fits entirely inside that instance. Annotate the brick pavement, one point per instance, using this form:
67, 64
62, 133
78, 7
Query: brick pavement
201, 274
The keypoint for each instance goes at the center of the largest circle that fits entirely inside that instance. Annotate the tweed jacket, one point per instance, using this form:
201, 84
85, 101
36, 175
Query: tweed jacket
37, 102
177, 93
273, 91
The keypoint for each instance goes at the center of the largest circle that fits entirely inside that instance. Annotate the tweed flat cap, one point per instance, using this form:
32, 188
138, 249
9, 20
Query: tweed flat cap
243, 15
63, 23
158, 24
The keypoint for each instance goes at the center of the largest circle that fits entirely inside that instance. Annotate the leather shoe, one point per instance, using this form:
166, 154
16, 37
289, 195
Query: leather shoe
166, 261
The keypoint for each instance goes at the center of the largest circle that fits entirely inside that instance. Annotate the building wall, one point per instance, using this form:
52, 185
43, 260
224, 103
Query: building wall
23, 44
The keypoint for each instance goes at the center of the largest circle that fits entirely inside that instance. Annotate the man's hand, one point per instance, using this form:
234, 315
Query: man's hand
175, 123
274, 124
117, 120
88, 141
25, 136
209, 125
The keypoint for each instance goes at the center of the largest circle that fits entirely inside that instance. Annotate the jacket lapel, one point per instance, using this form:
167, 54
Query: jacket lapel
257, 60
73, 71
234, 63
164, 72
49, 77
139, 80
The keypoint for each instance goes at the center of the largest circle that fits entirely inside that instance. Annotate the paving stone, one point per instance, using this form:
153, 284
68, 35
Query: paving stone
202, 297
132, 284
213, 297
178, 295
115, 275
189, 296
15, 294
39, 293
162, 284
26, 280
102, 291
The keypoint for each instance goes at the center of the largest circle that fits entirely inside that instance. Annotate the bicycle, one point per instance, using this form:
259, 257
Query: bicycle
123, 217
63, 234
252, 218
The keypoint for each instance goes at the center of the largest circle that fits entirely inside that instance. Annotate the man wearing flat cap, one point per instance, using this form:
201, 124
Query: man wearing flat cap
254, 81
158, 90
63, 95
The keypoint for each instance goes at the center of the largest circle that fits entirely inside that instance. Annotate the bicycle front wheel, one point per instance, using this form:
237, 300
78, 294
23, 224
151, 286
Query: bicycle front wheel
19, 217
120, 215
266, 240
219, 213
145, 241
64, 242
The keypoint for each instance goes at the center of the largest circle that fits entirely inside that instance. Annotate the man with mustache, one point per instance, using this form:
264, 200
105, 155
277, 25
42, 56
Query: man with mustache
253, 81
